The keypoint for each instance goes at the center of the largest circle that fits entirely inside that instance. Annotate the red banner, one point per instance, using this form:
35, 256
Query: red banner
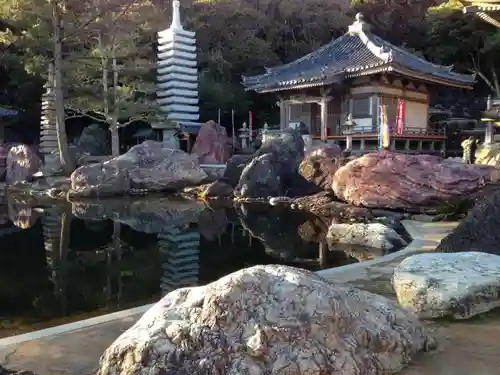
400, 118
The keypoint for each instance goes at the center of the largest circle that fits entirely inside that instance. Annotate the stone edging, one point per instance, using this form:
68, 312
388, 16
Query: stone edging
57, 330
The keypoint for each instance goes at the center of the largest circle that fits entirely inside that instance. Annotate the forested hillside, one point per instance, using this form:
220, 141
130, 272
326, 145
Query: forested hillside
234, 37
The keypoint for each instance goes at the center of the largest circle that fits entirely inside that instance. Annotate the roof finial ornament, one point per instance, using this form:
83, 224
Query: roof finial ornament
359, 25
176, 15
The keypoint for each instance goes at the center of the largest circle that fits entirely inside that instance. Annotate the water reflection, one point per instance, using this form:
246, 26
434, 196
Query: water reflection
68, 262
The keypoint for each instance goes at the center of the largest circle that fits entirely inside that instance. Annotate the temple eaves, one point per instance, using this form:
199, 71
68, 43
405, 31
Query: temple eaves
358, 52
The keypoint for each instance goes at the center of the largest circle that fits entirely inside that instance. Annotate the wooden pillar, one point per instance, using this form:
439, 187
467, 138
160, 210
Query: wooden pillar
324, 117
288, 107
348, 142
488, 136
283, 114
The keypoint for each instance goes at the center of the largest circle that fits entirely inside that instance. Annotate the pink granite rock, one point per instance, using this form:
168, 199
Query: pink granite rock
22, 163
418, 183
269, 319
212, 145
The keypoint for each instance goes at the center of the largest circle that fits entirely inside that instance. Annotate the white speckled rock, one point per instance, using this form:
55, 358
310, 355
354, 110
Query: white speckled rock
375, 235
268, 320
457, 285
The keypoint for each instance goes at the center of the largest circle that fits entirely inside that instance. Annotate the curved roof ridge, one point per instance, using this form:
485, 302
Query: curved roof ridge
381, 51
393, 47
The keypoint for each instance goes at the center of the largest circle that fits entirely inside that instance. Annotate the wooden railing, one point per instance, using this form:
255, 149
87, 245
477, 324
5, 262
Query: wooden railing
408, 130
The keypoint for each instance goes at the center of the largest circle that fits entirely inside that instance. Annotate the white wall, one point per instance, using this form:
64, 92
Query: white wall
416, 114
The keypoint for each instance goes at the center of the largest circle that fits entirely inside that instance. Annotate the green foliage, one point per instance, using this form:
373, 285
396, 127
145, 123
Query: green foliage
462, 40
234, 37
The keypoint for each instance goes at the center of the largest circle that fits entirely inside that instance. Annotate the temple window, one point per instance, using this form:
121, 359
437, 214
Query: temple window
360, 107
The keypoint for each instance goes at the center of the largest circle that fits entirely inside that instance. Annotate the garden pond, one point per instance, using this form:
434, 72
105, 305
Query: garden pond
73, 261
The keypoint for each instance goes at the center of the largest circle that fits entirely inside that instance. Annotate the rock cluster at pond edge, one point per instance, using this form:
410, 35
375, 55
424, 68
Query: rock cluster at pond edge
374, 235
418, 183
273, 170
458, 285
150, 166
385, 180
266, 319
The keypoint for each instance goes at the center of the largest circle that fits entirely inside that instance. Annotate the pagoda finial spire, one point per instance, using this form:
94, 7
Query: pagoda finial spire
176, 15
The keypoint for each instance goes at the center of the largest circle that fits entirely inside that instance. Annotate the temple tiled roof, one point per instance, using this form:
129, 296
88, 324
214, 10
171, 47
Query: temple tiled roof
485, 9
358, 52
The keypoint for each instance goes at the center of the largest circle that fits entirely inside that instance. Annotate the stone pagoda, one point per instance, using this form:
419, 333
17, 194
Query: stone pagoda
180, 253
48, 131
177, 87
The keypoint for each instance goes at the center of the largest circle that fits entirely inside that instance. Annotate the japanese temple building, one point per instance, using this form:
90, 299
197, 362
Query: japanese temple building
344, 84
489, 11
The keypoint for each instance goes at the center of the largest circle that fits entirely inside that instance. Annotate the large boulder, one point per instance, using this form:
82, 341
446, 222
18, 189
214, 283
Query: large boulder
212, 145
417, 183
261, 177
374, 235
93, 141
274, 167
289, 148
325, 150
268, 320
218, 189
22, 163
460, 285
150, 166
234, 168
478, 231
319, 169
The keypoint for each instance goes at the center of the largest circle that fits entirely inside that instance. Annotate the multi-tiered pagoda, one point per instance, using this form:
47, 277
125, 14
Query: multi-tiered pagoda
177, 87
180, 255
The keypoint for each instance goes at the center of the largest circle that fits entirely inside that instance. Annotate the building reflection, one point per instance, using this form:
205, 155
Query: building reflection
180, 256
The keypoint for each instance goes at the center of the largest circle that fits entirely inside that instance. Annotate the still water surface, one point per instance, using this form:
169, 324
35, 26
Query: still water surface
70, 262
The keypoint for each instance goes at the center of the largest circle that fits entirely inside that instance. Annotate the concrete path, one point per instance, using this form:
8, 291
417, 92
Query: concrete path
71, 353
465, 348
